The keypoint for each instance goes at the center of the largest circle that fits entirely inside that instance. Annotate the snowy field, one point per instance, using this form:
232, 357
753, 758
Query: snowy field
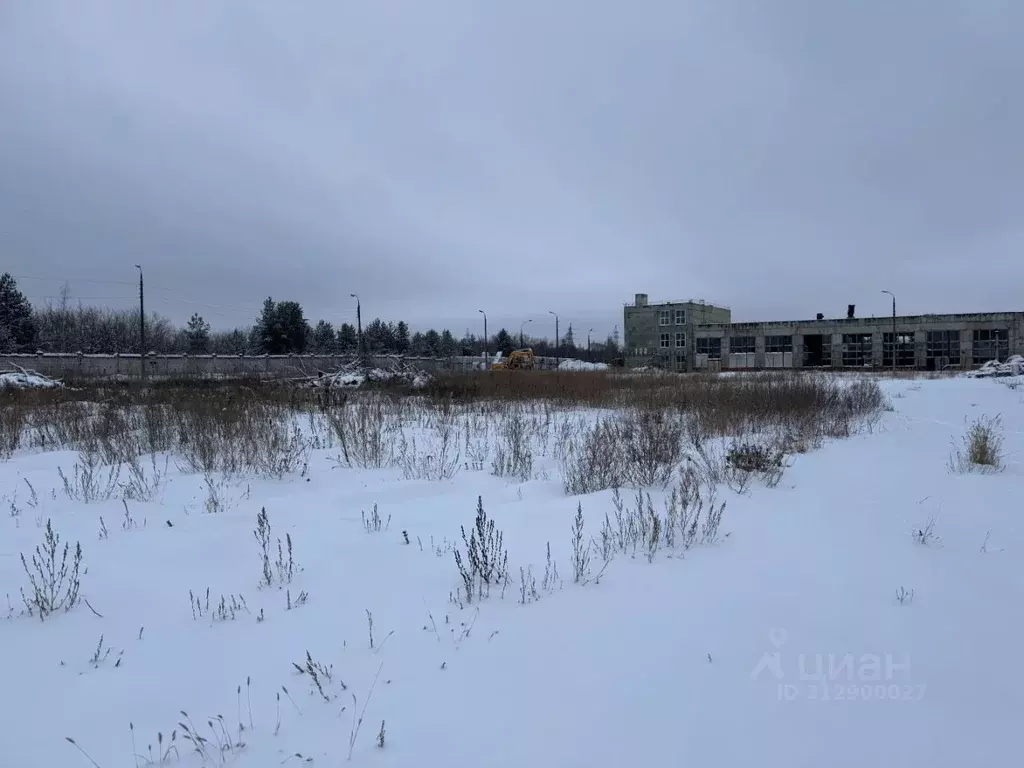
810, 576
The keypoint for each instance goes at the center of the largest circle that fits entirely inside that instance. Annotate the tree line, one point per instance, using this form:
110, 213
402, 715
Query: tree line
281, 328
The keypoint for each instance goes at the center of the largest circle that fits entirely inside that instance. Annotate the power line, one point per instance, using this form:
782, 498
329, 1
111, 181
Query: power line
228, 307
329, 311
59, 280
164, 302
81, 298
243, 307
237, 307
171, 298
160, 301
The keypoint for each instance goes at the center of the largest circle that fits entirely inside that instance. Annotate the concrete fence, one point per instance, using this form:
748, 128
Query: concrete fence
128, 366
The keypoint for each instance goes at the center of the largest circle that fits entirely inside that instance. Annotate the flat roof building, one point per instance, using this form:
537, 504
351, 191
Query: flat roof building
693, 335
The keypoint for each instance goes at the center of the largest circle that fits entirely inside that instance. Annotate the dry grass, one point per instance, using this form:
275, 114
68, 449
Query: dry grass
228, 429
672, 419
726, 404
604, 429
980, 449
54, 581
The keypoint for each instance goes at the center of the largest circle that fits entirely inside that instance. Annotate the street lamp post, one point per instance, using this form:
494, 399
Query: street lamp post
486, 367
522, 344
893, 330
557, 356
361, 343
142, 327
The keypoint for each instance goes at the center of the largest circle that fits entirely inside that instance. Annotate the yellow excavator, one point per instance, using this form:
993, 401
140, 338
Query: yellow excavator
520, 360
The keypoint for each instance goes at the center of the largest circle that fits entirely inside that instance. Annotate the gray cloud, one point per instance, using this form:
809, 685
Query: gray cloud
781, 157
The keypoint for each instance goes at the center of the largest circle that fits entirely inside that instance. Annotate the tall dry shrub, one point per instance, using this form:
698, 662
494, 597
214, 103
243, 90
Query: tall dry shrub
592, 461
367, 429
650, 444
437, 454
13, 421
240, 438
513, 456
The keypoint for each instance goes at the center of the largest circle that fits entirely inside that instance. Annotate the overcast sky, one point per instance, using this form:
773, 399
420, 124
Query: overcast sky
437, 157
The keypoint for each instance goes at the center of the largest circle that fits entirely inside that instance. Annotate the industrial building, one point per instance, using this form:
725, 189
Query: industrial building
694, 335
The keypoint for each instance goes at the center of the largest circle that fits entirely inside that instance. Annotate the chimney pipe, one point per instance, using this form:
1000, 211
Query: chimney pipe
820, 316
849, 312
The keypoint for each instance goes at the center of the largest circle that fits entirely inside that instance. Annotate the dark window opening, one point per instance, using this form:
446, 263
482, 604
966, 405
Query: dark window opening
741, 345
712, 347
942, 348
856, 350
817, 350
778, 343
990, 344
906, 356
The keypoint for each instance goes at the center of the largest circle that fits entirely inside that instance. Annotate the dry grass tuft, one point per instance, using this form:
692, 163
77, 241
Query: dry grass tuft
980, 449
485, 563
54, 580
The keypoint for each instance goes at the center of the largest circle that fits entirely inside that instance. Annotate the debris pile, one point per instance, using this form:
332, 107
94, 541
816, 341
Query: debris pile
23, 379
354, 376
412, 377
581, 365
1014, 366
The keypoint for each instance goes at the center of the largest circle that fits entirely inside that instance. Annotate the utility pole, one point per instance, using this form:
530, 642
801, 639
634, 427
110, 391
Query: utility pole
893, 331
589, 356
521, 342
142, 326
361, 342
558, 358
486, 366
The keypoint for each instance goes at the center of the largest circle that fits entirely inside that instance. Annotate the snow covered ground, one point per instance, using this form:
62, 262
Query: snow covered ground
865, 611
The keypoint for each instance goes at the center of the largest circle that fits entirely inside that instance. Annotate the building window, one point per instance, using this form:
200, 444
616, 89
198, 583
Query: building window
942, 344
680, 340
856, 350
680, 317
712, 347
680, 362
992, 344
906, 356
742, 345
664, 341
664, 317
817, 350
778, 343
